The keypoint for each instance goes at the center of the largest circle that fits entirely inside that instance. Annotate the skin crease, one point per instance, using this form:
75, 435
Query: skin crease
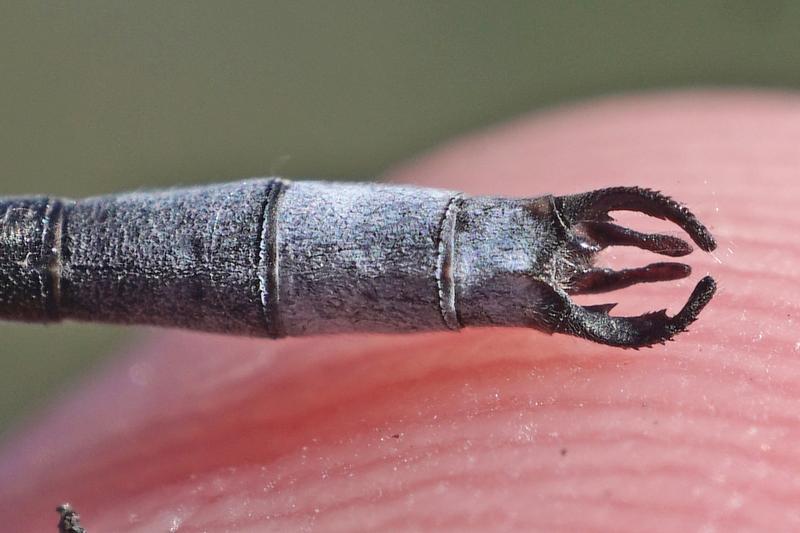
503, 430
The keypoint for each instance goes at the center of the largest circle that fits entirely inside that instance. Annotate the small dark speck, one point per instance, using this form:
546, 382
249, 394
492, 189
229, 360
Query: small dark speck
655, 422
70, 520
563, 452
396, 436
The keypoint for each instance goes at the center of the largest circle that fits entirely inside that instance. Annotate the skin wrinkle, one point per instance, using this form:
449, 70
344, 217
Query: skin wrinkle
387, 497
354, 501
604, 474
701, 433
274, 515
650, 469
349, 503
160, 451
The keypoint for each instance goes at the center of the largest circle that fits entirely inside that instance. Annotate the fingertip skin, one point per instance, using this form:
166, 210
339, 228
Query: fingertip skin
487, 429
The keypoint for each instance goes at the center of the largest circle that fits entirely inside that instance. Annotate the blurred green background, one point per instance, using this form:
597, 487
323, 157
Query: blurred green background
102, 96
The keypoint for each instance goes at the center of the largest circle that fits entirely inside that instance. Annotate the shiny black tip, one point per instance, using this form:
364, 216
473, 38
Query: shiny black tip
594, 206
595, 324
596, 280
585, 217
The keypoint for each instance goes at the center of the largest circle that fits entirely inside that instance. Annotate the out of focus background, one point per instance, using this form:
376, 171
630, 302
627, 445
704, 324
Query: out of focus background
97, 97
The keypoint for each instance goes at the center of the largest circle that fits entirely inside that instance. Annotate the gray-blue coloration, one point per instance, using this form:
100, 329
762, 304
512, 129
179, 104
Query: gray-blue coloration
354, 257
271, 257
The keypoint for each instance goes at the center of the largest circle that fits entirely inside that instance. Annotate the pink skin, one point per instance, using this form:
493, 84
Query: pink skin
503, 429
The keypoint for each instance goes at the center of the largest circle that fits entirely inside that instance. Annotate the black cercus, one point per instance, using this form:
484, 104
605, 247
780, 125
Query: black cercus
270, 257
